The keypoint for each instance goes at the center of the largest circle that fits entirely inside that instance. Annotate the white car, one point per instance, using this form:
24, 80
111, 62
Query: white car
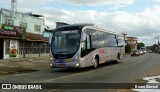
150, 51
140, 52
135, 53
144, 51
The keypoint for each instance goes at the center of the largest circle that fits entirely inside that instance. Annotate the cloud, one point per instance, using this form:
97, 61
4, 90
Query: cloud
157, 1
117, 7
144, 25
97, 2
34, 4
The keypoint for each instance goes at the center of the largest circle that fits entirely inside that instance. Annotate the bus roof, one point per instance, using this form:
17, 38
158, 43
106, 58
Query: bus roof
105, 30
87, 25
76, 25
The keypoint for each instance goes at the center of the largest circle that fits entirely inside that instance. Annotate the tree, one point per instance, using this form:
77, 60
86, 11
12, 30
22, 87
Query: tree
139, 45
127, 48
154, 48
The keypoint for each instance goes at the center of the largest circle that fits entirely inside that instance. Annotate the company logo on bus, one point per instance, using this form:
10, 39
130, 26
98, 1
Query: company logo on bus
101, 51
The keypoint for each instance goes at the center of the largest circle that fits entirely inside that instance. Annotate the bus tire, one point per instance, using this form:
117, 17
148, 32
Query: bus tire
96, 62
117, 59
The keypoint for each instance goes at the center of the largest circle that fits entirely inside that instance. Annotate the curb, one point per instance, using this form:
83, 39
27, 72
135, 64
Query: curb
23, 59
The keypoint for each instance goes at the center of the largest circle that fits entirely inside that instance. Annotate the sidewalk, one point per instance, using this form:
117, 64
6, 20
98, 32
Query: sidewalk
22, 65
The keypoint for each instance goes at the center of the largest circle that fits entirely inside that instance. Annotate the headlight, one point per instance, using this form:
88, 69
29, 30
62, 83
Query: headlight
50, 65
77, 64
51, 59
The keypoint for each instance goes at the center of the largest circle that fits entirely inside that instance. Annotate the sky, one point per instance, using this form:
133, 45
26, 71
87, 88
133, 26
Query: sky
137, 18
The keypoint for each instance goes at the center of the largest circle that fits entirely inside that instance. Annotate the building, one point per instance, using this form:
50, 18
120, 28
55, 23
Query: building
22, 35
132, 41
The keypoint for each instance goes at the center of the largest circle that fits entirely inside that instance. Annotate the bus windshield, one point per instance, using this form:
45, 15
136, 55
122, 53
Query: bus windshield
65, 42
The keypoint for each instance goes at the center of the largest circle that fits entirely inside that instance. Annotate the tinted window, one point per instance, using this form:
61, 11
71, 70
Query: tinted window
101, 39
121, 40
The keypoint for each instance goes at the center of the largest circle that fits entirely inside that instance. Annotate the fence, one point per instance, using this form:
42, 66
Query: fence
33, 51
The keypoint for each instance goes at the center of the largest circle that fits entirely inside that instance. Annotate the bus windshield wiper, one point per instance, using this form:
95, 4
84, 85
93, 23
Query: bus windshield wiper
63, 52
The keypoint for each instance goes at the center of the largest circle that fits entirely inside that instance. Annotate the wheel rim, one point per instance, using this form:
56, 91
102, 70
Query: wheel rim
118, 58
95, 63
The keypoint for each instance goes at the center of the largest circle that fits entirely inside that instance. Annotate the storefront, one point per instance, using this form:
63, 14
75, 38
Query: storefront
16, 43
9, 40
1, 48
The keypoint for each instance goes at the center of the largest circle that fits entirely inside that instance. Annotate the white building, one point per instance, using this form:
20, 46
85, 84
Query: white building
21, 34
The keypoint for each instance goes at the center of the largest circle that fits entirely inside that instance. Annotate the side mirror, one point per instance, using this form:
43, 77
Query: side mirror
89, 42
84, 45
121, 45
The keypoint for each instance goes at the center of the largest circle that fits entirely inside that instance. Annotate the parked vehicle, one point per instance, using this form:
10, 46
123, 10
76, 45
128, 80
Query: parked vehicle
135, 53
140, 52
150, 51
159, 50
144, 50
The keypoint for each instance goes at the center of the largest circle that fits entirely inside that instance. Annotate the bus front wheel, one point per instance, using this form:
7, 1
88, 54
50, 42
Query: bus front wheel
95, 62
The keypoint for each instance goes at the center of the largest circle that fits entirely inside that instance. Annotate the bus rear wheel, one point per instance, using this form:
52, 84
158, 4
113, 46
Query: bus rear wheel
95, 63
118, 59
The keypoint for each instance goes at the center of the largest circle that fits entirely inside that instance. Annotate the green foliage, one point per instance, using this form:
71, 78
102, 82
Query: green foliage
127, 48
154, 48
139, 45
23, 36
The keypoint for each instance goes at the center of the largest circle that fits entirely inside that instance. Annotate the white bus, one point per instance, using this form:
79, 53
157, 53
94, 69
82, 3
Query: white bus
84, 45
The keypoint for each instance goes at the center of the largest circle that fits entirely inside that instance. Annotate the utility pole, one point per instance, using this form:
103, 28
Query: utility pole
158, 41
1, 16
13, 8
158, 48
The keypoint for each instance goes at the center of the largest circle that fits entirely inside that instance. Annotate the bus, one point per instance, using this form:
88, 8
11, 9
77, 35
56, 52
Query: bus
84, 45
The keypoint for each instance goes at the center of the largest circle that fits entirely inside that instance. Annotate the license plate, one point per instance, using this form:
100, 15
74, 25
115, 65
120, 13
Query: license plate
60, 61
61, 65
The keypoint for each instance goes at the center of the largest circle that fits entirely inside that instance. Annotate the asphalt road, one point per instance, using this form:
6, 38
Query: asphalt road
127, 70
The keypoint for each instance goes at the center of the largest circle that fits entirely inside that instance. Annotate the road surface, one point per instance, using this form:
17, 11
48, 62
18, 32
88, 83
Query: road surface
128, 70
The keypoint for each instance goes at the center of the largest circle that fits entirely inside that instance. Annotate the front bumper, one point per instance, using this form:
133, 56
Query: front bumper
65, 65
